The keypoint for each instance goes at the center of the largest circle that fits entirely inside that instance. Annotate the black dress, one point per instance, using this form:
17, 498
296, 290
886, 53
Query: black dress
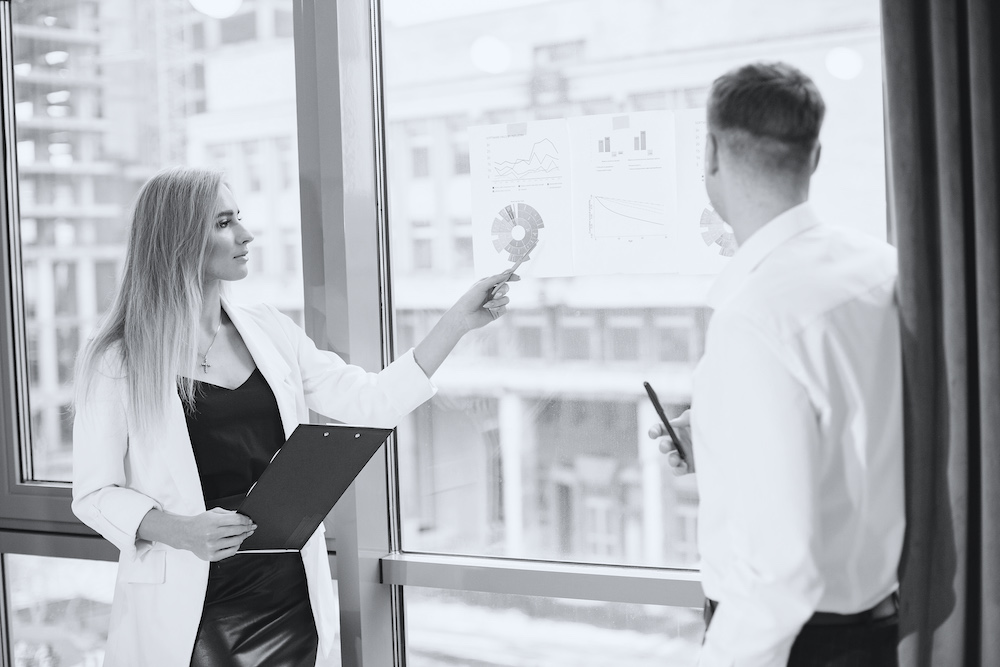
257, 609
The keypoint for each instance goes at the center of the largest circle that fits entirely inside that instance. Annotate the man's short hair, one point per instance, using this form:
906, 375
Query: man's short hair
767, 113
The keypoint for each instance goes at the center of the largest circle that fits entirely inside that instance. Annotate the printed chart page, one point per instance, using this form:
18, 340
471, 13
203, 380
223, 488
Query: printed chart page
624, 193
521, 198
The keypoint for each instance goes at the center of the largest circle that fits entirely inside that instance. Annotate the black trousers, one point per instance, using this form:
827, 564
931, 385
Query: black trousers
871, 644
866, 644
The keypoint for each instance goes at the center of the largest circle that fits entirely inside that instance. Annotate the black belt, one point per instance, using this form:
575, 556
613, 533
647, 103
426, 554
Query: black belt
884, 609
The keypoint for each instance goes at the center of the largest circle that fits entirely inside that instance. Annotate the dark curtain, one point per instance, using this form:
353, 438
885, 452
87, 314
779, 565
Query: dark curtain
942, 68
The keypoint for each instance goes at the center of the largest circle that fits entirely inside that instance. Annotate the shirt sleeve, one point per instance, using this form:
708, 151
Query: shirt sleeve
102, 498
351, 394
763, 433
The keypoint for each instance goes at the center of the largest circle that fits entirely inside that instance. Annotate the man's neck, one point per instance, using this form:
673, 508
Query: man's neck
751, 209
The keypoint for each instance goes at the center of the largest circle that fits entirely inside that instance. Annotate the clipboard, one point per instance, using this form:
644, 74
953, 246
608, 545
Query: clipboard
304, 480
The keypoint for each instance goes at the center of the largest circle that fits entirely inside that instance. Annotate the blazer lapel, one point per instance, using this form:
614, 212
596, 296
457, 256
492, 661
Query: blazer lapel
269, 360
179, 456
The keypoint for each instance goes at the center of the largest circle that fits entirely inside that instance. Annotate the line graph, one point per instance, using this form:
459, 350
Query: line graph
611, 217
541, 161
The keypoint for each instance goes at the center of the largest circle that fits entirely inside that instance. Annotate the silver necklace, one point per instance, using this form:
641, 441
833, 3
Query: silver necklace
204, 360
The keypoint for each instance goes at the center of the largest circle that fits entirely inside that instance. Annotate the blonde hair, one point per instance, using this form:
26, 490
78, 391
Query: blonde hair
152, 324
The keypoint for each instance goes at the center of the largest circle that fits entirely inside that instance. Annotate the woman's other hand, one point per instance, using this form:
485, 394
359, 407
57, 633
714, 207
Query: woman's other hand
217, 533
212, 535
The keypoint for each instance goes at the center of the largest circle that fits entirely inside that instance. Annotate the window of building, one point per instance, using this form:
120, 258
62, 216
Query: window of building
623, 336
423, 254
576, 333
282, 23
239, 28
67, 342
461, 159
105, 282
674, 336
252, 166
30, 280
547, 55
463, 252
420, 161
64, 284
32, 351
198, 35
287, 164
529, 341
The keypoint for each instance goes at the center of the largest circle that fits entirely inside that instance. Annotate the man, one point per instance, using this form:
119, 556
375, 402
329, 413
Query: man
796, 419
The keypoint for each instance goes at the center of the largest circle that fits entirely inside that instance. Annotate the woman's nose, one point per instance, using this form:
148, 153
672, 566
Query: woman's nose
247, 237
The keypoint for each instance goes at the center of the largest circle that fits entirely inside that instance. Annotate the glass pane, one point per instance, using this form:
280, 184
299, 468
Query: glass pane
445, 628
535, 445
58, 609
106, 93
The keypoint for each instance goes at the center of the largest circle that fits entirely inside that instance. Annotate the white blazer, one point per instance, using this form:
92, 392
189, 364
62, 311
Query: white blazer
119, 474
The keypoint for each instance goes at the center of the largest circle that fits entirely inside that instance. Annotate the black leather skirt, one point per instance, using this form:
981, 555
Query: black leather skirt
257, 612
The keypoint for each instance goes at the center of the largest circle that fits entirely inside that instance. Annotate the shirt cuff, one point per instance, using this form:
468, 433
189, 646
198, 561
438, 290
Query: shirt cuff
406, 384
125, 518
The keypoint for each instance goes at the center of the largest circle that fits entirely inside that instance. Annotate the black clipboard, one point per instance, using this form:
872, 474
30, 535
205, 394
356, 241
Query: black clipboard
304, 480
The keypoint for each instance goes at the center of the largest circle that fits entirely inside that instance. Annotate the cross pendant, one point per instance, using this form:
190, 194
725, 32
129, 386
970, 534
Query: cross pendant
205, 365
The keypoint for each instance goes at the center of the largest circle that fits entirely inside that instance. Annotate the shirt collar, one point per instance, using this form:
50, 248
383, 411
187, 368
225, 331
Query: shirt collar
755, 249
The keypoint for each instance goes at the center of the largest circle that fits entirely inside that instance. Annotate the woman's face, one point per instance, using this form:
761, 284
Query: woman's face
227, 247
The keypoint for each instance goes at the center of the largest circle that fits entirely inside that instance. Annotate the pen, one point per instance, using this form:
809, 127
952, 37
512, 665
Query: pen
666, 422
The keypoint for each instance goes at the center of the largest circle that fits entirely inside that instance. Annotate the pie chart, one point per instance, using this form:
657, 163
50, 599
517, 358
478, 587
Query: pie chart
715, 232
515, 230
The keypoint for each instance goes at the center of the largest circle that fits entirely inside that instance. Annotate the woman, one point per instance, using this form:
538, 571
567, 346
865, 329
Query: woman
182, 398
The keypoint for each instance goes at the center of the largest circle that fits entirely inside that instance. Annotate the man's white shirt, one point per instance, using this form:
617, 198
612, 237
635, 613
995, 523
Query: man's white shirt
797, 428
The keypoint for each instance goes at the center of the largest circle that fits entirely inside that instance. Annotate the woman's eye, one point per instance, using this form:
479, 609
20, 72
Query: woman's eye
224, 223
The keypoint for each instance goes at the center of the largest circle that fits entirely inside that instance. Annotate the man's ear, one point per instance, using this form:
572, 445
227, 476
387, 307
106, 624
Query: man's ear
711, 153
815, 157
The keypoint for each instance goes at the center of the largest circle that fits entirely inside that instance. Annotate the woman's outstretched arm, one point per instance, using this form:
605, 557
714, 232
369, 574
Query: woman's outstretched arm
476, 308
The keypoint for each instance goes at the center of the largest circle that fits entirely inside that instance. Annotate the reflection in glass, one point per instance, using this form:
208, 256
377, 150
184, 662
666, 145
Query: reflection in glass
106, 93
451, 628
535, 445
